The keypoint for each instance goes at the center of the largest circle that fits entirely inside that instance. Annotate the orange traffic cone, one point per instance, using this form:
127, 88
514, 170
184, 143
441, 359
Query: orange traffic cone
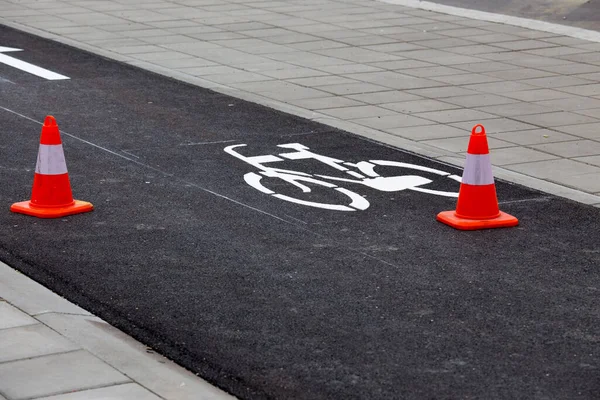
51, 195
477, 206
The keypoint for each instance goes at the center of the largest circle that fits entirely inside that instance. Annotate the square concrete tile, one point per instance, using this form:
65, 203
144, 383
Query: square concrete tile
592, 160
417, 106
344, 69
325, 103
60, 373
185, 63
321, 81
556, 81
127, 391
486, 66
559, 170
556, 119
576, 148
521, 73
479, 100
537, 95
588, 131
465, 79
574, 103
586, 182
357, 54
295, 93
515, 155
402, 65
495, 125
583, 90
358, 112
594, 112
428, 132
463, 114
428, 72
391, 121
534, 136
31, 341
293, 72
520, 108
353, 88
394, 80
391, 96
441, 92
524, 45
460, 144
499, 87
11, 317
161, 55
573, 68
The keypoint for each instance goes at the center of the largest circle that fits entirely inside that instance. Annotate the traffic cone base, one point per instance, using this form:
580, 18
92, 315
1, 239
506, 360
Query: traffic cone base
51, 195
504, 220
25, 207
477, 205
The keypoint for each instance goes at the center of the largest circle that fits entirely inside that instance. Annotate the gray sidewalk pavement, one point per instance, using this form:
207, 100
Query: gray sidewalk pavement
51, 349
411, 78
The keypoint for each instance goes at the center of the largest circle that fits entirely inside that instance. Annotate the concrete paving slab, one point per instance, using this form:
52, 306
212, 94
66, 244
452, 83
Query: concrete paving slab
416, 106
385, 97
537, 95
26, 295
486, 66
420, 133
357, 112
521, 73
465, 79
554, 170
515, 155
125, 391
534, 136
495, 125
588, 131
557, 81
479, 100
54, 374
442, 92
432, 71
460, 144
517, 108
392, 121
136, 361
570, 149
324, 103
31, 341
453, 116
575, 103
593, 160
556, 119
13, 317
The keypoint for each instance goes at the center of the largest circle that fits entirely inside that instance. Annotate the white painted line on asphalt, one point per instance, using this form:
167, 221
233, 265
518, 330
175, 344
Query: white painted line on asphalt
27, 67
578, 33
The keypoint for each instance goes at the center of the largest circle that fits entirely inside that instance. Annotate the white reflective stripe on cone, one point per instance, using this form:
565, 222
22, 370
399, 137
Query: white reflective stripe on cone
478, 170
51, 160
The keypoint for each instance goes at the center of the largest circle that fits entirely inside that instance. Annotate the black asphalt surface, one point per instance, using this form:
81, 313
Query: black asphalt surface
578, 13
268, 299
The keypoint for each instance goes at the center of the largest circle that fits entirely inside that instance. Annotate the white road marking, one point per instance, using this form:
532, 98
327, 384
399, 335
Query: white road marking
27, 67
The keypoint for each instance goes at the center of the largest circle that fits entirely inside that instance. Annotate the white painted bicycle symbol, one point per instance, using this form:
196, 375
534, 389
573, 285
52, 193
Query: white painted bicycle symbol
367, 177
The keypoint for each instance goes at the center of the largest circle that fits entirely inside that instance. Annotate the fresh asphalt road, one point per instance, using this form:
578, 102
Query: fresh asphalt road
578, 13
271, 299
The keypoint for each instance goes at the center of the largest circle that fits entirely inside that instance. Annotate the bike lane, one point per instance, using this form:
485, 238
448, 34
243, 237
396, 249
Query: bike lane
269, 298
